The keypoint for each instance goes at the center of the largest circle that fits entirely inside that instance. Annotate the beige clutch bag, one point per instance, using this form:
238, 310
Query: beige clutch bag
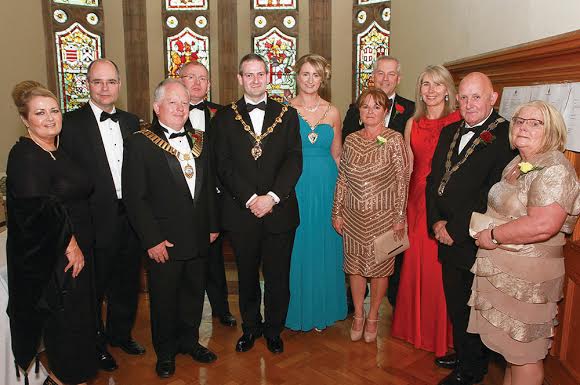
481, 222
387, 247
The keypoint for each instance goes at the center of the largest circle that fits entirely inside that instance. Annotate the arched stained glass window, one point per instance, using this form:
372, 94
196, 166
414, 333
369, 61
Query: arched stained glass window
371, 38
275, 38
75, 40
186, 32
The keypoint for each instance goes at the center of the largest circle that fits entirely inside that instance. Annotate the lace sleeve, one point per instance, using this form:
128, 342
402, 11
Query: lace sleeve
400, 159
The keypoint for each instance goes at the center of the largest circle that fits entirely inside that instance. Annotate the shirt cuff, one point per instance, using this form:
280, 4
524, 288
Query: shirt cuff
251, 199
274, 196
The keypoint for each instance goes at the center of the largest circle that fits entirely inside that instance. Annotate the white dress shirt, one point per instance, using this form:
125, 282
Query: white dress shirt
465, 138
388, 116
113, 142
197, 118
181, 144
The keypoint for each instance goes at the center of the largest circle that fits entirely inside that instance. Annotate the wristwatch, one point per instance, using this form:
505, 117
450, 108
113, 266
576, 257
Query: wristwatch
495, 241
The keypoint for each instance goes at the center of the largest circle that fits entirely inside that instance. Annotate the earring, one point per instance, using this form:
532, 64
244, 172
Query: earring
446, 98
420, 98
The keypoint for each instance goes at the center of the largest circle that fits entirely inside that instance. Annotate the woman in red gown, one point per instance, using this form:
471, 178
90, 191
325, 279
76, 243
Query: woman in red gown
421, 314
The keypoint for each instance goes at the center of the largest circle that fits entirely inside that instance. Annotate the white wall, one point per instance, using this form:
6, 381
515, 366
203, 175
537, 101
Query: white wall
433, 32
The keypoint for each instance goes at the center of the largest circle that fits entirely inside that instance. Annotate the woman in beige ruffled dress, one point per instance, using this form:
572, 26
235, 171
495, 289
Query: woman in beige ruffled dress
515, 293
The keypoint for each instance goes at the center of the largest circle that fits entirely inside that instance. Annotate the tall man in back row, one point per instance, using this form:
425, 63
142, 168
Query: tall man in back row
93, 136
386, 76
259, 160
469, 158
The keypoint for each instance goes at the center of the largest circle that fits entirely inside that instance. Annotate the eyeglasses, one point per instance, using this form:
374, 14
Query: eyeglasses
534, 123
192, 77
101, 83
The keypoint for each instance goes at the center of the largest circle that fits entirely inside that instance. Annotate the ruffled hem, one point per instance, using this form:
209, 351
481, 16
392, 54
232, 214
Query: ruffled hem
516, 329
518, 288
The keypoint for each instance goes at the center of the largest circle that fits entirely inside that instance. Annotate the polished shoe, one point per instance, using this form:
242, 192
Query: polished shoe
202, 354
129, 346
49, 381
356, 335
458, 378
275, 344
371, 336
106, 361
227, 319
448, 362
246, 342
165, 369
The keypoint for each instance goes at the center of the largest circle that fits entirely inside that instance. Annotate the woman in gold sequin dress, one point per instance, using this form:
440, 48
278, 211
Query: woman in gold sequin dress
370, 199
515, 293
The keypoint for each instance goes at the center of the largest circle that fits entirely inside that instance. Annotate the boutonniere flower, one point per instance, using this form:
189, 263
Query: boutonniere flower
212, 112
380, 140
526, 167
194, 136
486, 137
400, 109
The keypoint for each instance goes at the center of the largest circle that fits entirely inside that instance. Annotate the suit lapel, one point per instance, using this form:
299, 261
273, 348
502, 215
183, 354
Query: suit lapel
174, 165
246, 117
94, 136
125, 130
273, 109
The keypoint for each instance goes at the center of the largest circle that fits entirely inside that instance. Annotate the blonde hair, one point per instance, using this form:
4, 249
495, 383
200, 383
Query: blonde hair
441, 75
555, 132
24, 91
320, 64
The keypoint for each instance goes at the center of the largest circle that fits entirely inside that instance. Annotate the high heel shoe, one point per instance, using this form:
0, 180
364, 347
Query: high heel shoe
371, 336
49, 381
356, 335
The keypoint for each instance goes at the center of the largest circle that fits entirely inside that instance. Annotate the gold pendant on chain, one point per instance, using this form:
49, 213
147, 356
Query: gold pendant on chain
312, 137
256, 151
188, 171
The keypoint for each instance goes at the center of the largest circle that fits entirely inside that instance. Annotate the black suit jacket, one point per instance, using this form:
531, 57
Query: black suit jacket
397, 120
81, 139
277, 170
467, 188
210, 110
158, 200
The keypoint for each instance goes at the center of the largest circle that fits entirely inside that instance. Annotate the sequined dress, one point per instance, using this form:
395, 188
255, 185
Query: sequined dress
515, 293
371, 196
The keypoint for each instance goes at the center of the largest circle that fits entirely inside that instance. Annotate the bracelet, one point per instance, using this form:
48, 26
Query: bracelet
495, 241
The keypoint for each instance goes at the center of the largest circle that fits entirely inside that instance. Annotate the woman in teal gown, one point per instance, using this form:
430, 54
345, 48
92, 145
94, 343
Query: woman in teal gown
317, 286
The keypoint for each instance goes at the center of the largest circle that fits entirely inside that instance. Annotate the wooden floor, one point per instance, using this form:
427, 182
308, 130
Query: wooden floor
328, 357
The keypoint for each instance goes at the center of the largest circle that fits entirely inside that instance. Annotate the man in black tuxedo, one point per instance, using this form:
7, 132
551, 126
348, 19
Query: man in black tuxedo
195, 77
259, 160
93, 136
469, 158
386, 76
169, 192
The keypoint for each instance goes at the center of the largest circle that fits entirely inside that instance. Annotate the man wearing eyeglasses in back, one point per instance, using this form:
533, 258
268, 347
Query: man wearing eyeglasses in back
93, 137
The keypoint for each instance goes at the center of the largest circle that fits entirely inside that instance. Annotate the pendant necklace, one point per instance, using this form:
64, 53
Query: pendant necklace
313, 135
313, 109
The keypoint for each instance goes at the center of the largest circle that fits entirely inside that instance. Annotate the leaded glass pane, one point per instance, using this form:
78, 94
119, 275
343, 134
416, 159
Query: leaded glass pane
370, 44
365, 2
86, 3
274, 4
185, 5
76, 48
279, 50
184, 47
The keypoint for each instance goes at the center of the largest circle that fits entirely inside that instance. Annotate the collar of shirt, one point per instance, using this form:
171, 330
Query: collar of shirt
97, 111
388, 116
197, 118
264, 99
480, 123
168, 131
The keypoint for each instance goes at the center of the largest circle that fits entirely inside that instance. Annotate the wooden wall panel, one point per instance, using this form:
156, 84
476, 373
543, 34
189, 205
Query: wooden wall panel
228, 50
136, 58
551, 60
320, 27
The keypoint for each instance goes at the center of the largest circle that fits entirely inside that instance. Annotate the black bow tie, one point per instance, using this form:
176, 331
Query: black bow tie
260, 106
466, 130
198, 106
105, 115
177, 135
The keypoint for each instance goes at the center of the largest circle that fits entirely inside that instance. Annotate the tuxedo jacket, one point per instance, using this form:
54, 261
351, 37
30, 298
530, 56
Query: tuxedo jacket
159, 202
397, 121
277, 170
467, 189
81, 139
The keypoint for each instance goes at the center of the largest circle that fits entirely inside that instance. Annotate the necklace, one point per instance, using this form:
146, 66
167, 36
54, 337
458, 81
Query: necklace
313, 136
313, 109
49, 152
256, 151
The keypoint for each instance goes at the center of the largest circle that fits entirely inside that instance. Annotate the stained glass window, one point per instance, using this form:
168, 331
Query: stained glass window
371, 39
76, 38
275, 38
86, 3
184, 47
185, 5
76, 48
275, 4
